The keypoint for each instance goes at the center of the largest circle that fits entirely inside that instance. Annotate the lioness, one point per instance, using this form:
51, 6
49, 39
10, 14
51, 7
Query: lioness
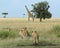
21, 33
24, 33
35, 37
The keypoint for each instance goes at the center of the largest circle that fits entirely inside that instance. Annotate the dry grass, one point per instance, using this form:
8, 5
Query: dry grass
17, 23
43, 27
36, 25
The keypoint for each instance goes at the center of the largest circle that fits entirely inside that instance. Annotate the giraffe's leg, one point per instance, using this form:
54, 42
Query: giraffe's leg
28, 18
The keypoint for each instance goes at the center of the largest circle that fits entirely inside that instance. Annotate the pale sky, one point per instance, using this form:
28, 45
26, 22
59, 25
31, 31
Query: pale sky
16, 8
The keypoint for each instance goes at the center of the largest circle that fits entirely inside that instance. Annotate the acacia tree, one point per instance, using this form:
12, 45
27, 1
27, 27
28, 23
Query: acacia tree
4, 14
40, 10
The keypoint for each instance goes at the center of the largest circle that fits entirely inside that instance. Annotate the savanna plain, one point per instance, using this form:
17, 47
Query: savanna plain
48, 30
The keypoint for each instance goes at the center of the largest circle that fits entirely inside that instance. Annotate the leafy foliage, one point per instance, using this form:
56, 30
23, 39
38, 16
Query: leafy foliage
6, 34
4, 13
40, 10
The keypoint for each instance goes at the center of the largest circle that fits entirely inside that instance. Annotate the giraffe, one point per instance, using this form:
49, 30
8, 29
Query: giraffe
29, 14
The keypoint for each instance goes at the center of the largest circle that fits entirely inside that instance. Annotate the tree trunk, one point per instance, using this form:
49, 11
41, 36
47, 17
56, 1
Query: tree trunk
4, 16
40, 19
41, 16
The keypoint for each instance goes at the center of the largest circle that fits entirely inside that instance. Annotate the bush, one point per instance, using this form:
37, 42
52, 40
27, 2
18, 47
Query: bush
6, 34
56, 29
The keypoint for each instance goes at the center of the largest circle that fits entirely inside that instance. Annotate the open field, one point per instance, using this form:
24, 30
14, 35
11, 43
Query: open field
44, 29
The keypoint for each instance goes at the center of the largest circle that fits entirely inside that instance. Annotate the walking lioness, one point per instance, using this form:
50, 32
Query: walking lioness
35, 37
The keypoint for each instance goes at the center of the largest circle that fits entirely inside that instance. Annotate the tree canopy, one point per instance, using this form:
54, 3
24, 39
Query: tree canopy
4, 13
40, 10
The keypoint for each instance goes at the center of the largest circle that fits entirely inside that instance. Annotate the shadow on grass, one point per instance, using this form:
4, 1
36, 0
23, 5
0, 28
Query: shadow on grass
46, 43
42, 43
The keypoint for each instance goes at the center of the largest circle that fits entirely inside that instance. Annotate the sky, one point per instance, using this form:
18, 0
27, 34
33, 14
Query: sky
16, 8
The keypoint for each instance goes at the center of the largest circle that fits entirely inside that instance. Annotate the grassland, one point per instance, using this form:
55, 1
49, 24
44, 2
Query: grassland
45, 29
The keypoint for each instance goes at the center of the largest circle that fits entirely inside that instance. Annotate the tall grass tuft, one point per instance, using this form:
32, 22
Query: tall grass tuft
56, 30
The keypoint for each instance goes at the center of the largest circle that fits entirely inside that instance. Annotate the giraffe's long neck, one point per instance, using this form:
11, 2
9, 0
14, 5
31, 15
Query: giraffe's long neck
29, 14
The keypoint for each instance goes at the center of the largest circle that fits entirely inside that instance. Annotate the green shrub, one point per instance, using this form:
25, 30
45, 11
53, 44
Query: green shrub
6, 34
56, 29
58, 35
